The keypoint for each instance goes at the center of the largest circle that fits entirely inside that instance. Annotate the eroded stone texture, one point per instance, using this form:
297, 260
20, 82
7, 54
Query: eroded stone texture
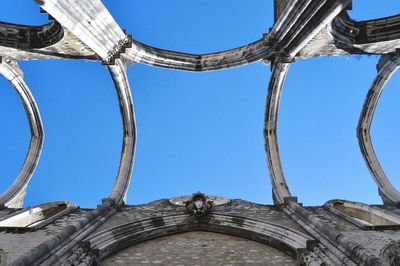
237, 207
313, 235
200, 248
372, 240
279, 6
16, 242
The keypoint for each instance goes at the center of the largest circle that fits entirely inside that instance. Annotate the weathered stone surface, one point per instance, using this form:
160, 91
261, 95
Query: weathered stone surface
240, 208
15, 242
163, 233
200, 248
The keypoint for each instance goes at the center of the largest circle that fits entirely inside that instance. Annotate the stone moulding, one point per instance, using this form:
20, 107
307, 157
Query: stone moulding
252, 52
387, 66
279, 186
370, 36
112, 240
30, 37
301, 21
121, 185
13, 196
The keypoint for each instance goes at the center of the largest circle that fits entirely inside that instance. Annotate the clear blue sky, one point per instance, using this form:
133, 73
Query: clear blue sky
199, 131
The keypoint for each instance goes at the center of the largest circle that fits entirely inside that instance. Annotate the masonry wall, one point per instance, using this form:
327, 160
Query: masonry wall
240, 208
199, 248
16, 242
373, 240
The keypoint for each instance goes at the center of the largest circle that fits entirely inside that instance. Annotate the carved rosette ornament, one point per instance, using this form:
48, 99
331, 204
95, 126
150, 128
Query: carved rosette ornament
198, 205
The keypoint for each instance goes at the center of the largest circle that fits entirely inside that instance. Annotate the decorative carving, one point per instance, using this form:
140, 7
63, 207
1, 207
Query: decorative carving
391, 254
198, 204
117, 50
13, 64
315, 257
216, 200
83, 255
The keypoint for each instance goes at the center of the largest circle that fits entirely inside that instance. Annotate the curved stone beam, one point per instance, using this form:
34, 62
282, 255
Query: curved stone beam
30, 37
299, 23
13, 196
279, 186
50, 41
387, 67
69, 47
142, 53
376, 36
121, 185
112, 240
91, 22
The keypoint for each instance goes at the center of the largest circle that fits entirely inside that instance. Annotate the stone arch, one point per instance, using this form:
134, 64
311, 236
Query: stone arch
13, 197
387, 66
280, 188
110, 241
142, 53
120, 188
